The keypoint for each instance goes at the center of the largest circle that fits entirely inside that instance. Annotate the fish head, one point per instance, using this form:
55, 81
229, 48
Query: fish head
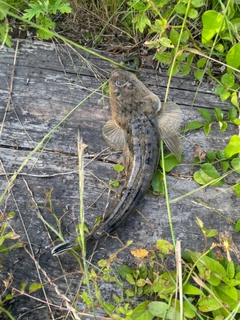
128, 94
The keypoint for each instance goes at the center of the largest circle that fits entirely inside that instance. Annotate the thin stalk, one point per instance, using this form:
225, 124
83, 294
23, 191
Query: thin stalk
81, 215
166, 194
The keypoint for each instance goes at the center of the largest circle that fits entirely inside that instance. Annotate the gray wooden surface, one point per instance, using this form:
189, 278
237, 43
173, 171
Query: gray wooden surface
48, 82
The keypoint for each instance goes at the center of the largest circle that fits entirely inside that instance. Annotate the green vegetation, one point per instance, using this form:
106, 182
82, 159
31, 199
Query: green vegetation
40, 11
185, 36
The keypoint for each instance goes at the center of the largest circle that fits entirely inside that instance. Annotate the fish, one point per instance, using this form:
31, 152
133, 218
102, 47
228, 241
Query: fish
139, 121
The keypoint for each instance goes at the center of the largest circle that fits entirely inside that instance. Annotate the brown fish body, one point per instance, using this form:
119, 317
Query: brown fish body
133, 110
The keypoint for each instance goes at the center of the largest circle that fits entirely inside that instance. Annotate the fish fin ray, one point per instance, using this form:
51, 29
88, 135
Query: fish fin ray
114, 135
169, 120
174, 144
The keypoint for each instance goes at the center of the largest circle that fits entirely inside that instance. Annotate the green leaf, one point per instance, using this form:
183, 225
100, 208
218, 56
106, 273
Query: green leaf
206, 174
140, 282
211, 233
234, 99
165, 246
236, 188
159, 25
181, 57
237, 229
236, 164
118, 167
193, 125
233, 57
209, 303
164, 57
224, 165
152, 44
198, 3
175, 69
174, 36
157, 183
221, 154
198, 74
230, 270
207, 128
192, 13
46, 23
211, 155
213, 22
130, 279
228, 80
180, 8
35, 286
158, 308
201, 63
185, 36
192, 290
236, 121
35, 11
219, 47
170, 161
218, 114
232, 282
190, 58
210, 170
141, 21
225, 94
10, 215
232, 113
61, 6
23, 287
124, 270
219, 89
223, 126
140, 6
233, 146
205, 114
4, 10
186, 70
114, 183
205, 262
227, 294
165, 42
5, 38
141, 312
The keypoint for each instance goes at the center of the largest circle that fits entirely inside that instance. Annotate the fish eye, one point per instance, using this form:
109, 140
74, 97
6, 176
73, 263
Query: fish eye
129, 85
117, 92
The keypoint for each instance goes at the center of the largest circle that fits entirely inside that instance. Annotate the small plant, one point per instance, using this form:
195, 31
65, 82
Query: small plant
39, 11
176, 25
42, 10
6, 235
214, 164
210, 283
7, 244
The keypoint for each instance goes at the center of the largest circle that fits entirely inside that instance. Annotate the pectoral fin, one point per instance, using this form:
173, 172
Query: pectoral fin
169, 119
174, 144
114, 135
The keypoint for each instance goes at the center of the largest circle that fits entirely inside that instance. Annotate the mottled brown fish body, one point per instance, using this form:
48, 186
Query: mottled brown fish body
133, 111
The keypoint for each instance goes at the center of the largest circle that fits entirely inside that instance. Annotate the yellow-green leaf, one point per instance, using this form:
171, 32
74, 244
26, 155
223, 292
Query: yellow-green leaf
35, 286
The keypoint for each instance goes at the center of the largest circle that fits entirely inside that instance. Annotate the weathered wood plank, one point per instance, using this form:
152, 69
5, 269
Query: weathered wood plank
49, 81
